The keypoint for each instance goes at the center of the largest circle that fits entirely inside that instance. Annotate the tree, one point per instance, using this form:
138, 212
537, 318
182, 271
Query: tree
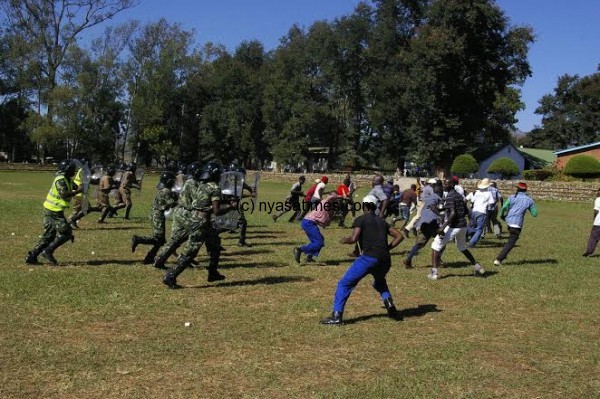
505, 167
582, 166
465, 57
571, 115
464, 164
51, 27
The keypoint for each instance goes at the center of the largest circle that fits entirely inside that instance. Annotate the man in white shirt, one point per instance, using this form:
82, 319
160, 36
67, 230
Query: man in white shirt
481, 200
595, 233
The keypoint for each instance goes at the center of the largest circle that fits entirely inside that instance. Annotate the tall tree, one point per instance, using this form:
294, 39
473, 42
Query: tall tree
571, 115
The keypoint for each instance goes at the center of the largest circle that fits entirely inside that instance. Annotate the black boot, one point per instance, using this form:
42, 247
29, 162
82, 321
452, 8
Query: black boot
31, 258
243, 227
127, 210
149, 259
334, 319
170, 279
391, 309
134, 243
48, 252
214, 250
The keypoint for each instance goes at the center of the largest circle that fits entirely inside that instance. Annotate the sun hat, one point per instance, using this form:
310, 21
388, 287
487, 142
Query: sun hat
431, 181
483, 184
370, 199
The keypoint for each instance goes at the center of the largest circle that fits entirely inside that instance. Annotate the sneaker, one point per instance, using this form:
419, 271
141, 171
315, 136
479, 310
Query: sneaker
432, 276
407, 264
334, 320
297, 254
478, 270
586, 255
171, 282
49, 257
497, 263
310, 259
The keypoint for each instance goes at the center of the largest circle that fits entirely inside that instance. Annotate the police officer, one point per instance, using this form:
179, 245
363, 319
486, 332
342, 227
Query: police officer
242, 223
106, 185
199, 199
78, 201
57, 230
165, 199
128, 181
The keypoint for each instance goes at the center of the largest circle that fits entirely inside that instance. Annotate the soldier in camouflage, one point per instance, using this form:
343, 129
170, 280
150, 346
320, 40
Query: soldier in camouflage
199, 199
106, 185
57, 230
243, 222
165, 199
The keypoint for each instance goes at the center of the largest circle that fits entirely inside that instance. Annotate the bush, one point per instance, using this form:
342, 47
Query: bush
505, 167
538, 174
464, 164
582, 166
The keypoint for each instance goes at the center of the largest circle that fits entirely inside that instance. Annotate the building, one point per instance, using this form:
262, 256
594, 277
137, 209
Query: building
563, 156
525, 158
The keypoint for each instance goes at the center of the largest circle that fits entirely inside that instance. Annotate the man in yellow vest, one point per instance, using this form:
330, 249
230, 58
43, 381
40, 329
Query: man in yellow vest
77, 204
57, 229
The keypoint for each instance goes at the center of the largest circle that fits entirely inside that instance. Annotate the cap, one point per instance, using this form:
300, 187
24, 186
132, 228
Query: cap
455, 178
522, 186
324, 179
370, 199
431, 181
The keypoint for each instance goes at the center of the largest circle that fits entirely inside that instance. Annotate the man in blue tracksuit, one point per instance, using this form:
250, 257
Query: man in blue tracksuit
513, 213
371, 232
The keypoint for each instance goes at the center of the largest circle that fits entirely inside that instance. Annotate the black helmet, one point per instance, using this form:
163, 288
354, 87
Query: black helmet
234, 168
211, 172
67, 167
131, 167
167, 179
111, 170
123, 167
181, 168
195, 170
85, 162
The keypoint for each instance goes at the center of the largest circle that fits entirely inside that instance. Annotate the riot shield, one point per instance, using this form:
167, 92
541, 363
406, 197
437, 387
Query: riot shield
97, 173
255, 186
139, 177
86, 177
232, 188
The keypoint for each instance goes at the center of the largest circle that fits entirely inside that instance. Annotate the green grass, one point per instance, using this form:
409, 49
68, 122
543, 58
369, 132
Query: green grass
104, 326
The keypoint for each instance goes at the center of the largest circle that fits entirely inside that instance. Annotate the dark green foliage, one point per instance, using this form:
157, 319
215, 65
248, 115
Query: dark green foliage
538, 174
505, 167
464, 164
582, 166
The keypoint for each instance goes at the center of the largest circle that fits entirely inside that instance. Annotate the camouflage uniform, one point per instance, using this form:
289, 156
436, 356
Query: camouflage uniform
192, 219
164, 200
57, 229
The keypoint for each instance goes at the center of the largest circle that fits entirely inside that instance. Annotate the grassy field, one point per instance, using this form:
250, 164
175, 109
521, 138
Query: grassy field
104, 326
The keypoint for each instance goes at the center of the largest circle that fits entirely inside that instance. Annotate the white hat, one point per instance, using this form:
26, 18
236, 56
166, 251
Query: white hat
483, 184
431, 181
370, 199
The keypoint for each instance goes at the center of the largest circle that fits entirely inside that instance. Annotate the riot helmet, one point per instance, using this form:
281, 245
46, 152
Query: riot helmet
123, 167
111, 170
167, 179
235, 168
131, 167
67, 167
195, 170
211, 172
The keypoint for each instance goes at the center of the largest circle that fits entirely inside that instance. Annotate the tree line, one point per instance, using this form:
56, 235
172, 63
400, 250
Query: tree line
395, 79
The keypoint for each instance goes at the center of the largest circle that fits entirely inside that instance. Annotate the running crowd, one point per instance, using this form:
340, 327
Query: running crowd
431, 210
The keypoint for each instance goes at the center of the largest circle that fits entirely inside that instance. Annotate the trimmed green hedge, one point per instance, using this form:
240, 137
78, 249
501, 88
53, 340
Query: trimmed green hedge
464, 164
504, 167
582, 166
538, 174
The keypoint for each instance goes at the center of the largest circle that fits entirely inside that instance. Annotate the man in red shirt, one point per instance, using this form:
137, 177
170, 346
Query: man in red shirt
343, 192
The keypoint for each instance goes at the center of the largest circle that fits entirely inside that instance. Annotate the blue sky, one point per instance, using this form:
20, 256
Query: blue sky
567, 32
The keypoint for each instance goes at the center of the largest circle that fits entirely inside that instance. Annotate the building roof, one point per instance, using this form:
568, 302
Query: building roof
578, 149
485, 151
539, 159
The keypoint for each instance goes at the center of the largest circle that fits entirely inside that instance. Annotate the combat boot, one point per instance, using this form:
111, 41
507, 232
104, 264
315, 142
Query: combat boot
48, 252
149, 259
134, 243
170, 279
334, 319
127, 210
31, 258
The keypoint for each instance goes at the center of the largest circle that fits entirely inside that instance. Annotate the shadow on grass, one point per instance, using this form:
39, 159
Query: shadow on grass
102, 262
112, 228
253, 265
485, 275
260, 281
489, 244
248, 252
419, 311
533, 262
278, 243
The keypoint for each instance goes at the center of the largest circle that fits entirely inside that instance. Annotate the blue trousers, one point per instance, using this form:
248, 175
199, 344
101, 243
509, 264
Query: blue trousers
317, 241
362, 266
479, 220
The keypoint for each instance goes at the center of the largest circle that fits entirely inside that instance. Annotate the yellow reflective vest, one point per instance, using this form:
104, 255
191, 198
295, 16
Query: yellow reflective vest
78, 180
54, 202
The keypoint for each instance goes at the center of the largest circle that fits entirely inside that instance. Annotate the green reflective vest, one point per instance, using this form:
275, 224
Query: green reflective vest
54, 202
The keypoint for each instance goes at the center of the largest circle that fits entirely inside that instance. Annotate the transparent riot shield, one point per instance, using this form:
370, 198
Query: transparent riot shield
86, 176
97, 173
139, 177
232, 188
